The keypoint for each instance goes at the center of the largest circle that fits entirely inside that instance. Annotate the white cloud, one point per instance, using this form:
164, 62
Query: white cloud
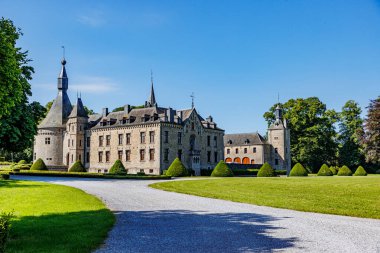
95, 84
94, 18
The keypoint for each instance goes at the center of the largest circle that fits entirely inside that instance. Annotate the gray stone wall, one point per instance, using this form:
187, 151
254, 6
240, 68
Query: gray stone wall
48, 146
259, 156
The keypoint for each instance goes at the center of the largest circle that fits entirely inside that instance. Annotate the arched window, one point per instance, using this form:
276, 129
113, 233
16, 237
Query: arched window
228, 160
246, 160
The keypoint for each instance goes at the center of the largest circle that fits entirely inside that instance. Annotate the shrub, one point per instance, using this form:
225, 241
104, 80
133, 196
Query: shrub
118, 168
177, 169
140, 174
77, 167
5, 226
325, 171
344, 171
19, 167
22, 162
248, 172
298, 171
222, 170
164, 172
333, 170
4, 176
38, 165
360, 171
281, 172
266, 171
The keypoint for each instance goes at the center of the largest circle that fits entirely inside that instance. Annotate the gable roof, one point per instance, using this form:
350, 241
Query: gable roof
242, 139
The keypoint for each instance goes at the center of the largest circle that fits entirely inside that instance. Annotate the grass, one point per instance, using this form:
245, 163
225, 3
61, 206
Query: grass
350, 196
53, 218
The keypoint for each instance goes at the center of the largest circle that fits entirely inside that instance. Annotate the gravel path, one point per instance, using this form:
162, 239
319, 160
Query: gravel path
150, 220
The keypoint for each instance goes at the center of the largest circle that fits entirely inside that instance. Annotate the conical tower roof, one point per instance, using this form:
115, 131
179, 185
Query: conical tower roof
78, 110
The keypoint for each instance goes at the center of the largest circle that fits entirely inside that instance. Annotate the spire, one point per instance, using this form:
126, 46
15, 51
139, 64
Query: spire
152, 98
78, 110
63, 81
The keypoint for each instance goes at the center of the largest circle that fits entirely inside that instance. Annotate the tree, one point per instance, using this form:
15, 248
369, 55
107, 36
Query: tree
312, 138
350, 127
18, 117
370, 137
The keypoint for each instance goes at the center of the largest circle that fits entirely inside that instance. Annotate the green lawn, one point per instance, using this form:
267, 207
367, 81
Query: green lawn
351, 196
53, 218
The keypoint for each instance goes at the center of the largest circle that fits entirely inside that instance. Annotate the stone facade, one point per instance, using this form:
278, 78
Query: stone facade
252, 149
145, 139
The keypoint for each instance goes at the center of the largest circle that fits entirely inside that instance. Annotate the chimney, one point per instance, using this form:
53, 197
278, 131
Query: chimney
127, 108
210, 119
171, 113
105, 112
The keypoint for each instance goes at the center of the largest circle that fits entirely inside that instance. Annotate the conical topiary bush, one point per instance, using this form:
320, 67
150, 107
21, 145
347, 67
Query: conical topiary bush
77, 167
344, 171
298, 171
325, 171
266, 171
360, 171
222, 170
38, 165
333, 170
22, 162
117, 168
177, 169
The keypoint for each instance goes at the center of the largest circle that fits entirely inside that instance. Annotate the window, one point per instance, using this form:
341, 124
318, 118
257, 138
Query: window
35, 156
47, 140
192, 125
179, 138
128, 138
215, 142
88, 157
80, 128
142, 170
151, 137
215, 157
68, 142
151, 154
101, 138
276, 138
208, 156
245, 150
120, 155
254, 150
142, 154
127, 155
208, 140
80, 158
276, 150
179, 154
100, 156
151, 171
72, 143
72, 158
276, 161
120, 139
105, 171
228, 151
166, 154
88, 141
237, 151
80, 143
108, 140
107, 156
166, 137
142, 137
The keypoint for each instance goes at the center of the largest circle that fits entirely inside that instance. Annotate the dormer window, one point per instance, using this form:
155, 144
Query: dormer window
246, 141
229, 142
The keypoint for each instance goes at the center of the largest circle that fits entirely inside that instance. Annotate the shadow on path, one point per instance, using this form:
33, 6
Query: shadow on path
188, 231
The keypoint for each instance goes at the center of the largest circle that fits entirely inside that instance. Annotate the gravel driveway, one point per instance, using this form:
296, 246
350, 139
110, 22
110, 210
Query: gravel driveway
150, 220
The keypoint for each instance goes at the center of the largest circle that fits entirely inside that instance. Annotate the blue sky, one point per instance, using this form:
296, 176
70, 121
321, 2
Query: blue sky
236, 56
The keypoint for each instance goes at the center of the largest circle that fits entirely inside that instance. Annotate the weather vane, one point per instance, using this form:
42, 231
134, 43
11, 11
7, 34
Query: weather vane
192, 99
63, 49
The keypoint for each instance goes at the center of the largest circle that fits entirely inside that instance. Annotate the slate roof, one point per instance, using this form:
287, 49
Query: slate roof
78, 110
243, 139
59, 111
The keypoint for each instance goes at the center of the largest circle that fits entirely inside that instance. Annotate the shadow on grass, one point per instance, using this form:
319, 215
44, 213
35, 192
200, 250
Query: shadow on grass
70, 232
188, 231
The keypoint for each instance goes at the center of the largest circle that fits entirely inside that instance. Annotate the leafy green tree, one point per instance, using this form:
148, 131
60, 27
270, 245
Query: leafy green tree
350, 127
370, 137
313, 134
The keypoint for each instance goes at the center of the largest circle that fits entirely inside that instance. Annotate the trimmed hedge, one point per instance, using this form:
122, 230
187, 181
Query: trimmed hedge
247, 172
222, 170
334, 170
325, 171
266, 171
298, 171
22, 162
344, 171
177, 169
77, 167
5, 226
38, 165
281, 172
85, 175
117, 168
360, 171
4, 176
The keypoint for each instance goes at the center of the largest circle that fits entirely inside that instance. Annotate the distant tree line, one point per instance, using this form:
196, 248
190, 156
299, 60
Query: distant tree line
319, 135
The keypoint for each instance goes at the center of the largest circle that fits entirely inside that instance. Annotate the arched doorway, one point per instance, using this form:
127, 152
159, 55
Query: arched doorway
253, 161
245, 160
228, 160
237, 160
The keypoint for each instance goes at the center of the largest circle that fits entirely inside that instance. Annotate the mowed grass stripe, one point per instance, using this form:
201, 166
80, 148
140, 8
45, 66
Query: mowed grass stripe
53, 218
350, 196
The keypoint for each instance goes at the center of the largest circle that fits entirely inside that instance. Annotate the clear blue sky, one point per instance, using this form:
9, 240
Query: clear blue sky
236, 56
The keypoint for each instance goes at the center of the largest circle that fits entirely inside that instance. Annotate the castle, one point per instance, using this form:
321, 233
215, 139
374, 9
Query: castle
148, 139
